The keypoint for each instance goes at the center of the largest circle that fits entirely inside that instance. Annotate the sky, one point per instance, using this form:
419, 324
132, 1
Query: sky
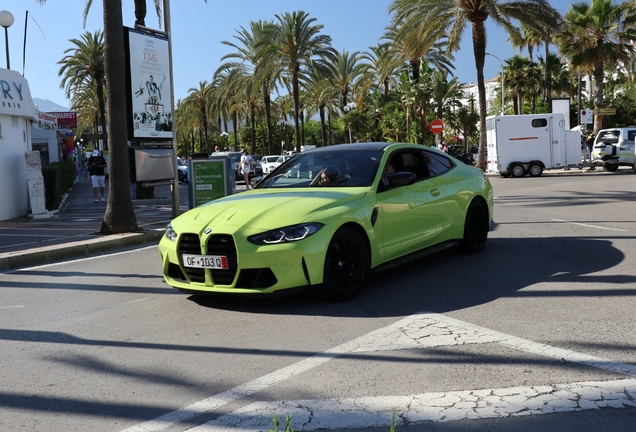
198, 29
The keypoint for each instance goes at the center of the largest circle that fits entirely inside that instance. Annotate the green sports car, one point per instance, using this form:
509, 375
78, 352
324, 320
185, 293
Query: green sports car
327, 217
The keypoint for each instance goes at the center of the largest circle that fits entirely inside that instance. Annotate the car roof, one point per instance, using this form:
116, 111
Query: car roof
352, 147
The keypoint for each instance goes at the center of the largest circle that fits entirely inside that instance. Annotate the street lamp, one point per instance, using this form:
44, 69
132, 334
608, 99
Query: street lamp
6, 21
503, 112
348, 107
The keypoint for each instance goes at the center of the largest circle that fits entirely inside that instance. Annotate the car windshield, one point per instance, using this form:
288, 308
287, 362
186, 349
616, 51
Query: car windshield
180, 162
336, 168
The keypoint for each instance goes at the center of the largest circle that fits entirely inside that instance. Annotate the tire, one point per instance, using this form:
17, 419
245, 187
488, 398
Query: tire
610, 167
517, 171
634, 167
535, 170
475, 227
347, 264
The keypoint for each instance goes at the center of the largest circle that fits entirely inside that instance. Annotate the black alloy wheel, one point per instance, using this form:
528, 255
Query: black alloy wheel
475, 227
346, 265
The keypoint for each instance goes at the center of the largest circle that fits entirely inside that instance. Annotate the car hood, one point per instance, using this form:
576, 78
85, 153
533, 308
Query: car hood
267, 209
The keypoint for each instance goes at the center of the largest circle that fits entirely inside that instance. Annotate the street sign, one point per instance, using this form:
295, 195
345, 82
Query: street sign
436, 126
605, 111
587, 116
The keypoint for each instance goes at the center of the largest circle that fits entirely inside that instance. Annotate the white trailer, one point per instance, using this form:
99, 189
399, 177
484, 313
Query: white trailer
531, 143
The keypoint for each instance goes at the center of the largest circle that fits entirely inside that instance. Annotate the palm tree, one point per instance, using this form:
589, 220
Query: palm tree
597, 35
320, 96
300, 48
345, 70
83, 69
253, 54
382, 68
518, 74
200, 97
428, 16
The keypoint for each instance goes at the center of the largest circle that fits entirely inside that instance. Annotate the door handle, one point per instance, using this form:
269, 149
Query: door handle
435, 192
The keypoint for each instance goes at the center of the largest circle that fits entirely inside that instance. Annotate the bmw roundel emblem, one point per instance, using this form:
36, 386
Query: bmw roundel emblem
207, 231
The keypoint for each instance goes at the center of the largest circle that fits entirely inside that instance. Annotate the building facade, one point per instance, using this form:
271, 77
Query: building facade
17, 112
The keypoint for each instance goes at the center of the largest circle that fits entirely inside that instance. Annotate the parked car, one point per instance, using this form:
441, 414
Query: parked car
615, 147
268, 163
327, 217
282, 159
182, 171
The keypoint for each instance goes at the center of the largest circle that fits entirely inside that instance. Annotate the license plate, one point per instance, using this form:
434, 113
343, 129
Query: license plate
205, 261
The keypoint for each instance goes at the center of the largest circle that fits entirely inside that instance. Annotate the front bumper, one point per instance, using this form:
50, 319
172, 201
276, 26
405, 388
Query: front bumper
252, 269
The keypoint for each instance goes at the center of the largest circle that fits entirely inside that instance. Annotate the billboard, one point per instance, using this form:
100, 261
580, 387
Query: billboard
65, 119
149, 91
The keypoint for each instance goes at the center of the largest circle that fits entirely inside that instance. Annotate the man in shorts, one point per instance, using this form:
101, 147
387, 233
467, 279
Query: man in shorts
96, 165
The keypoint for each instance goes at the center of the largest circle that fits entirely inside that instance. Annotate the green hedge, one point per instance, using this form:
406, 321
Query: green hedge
59, 178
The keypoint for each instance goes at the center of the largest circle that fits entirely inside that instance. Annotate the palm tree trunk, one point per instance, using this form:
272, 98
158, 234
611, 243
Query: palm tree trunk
598, 94
268, 119
323, 128
235, 127
120, 215
296, 95
479, 49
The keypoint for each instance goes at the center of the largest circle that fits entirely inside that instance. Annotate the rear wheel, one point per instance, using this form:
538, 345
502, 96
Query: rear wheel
610, 167
346, 265
475, 227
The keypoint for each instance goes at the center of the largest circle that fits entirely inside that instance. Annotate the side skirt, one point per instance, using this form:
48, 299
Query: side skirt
417, 255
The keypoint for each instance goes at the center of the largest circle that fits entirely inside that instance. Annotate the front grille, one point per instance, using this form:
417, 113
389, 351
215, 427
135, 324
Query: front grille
223, 244
190, 244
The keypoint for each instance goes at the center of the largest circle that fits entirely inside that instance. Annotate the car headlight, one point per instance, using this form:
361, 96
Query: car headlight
171, 234
286, 234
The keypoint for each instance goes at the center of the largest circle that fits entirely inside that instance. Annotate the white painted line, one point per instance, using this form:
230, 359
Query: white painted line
12, 307
423, 330
368, 412
588, 225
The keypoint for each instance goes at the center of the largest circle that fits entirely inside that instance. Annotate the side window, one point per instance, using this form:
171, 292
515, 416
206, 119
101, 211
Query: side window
438, 164
631, 133
541, 122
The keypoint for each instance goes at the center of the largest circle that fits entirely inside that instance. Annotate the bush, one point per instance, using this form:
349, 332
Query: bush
59, 178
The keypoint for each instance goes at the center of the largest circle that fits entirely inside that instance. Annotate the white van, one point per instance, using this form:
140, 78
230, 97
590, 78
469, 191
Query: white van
614, 147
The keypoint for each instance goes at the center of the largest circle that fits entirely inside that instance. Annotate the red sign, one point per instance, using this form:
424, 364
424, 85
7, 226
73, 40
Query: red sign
65, 119
436, 126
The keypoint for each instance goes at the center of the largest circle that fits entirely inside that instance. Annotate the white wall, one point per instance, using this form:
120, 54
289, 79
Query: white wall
15, 141
16, 113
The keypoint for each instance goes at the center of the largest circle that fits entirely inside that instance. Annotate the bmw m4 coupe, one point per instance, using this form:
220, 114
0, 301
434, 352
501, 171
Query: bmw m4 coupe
326, 218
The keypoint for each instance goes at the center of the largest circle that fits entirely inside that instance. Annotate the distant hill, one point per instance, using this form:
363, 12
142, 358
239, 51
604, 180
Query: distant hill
45, 105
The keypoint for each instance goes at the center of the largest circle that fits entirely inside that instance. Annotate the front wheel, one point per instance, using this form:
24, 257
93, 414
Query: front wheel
475, 227
610, 167
517, 171
535, 170
346, 265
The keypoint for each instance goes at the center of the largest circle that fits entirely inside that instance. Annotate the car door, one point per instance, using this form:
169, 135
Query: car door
411, 216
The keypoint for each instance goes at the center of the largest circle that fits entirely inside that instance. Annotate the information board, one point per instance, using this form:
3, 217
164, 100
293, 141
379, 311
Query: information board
207, 180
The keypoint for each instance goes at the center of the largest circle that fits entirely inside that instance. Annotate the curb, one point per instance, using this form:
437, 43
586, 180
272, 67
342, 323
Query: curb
81, 248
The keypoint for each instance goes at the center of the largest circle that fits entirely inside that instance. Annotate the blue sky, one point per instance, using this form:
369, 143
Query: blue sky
198, 29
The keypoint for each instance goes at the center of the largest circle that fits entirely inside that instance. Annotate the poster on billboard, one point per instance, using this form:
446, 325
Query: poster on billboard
150, 93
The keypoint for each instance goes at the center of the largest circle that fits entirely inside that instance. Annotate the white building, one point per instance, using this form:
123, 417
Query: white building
17, 112
470, 91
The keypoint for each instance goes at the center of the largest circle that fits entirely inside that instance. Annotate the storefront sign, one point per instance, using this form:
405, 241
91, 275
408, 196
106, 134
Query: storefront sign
65, 119
15, 96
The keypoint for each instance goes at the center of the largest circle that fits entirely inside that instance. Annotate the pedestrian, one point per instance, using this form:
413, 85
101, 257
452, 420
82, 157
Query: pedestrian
444, 148
246, 167
96, 165
440, 145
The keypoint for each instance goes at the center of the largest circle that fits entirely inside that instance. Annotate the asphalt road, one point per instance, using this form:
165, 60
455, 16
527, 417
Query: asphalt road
535, 333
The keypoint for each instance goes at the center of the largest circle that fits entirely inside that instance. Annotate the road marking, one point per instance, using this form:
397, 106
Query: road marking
423, 330
368, 412
12, 307
588, 225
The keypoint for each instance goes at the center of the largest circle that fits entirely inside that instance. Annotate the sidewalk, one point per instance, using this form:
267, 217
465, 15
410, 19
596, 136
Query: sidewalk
73, 231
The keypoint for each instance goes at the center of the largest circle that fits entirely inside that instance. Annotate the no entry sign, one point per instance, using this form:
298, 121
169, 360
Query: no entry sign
436, 126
